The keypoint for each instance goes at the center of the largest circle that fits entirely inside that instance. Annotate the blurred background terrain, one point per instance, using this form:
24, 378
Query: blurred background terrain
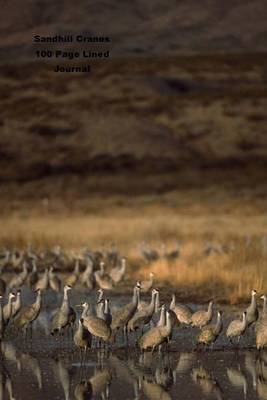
167, 140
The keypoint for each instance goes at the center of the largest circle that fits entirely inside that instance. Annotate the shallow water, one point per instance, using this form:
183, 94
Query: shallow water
39, 373
49, 367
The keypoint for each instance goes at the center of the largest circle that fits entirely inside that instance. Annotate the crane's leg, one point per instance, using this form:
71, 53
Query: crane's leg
237, 346
25, 334
31, 331
125, 335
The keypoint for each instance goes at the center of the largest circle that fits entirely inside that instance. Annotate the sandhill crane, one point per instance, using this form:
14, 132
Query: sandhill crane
103, 280
117, 273
162, 318
54, 281
82, 337
16, 305
112, 255
183, 313
65, 315
171, 255
104, 311
210, 248
147, 284
100, 310
201, 318
16, 259
99, 307
144, 304
123, 315
86, 277
261, 326
30, 313
156, 336
174, 320
148, 253
43, 281
18, 280
103, 307
7, 309
97, 327
252, 311
143, 316
72, 279
210, 333
237, 328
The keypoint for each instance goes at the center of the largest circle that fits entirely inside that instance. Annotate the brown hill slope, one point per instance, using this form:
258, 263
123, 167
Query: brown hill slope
159, 27
193, 121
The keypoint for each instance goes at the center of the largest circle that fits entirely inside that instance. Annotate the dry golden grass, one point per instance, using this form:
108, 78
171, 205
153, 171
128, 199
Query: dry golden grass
229, 276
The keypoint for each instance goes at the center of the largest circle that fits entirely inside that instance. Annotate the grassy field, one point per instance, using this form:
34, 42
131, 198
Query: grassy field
229, 276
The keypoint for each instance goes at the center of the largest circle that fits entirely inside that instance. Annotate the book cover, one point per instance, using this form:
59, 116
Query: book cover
133, 240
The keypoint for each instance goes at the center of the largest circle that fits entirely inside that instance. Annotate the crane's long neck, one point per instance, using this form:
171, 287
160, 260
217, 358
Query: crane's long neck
123, 266
210, 309
88, 269
102, 269
172, 305
9, 304
152, 298
244, 321
106, 309
264, 308
168, 325
101, 310
162, 319
65, 302
157, 305
136, 296
153, 301
77, 268
18, 301
46, 276
85, 311
218, 326
101, 295
80, 328
38, 302
24, 272
253, 302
